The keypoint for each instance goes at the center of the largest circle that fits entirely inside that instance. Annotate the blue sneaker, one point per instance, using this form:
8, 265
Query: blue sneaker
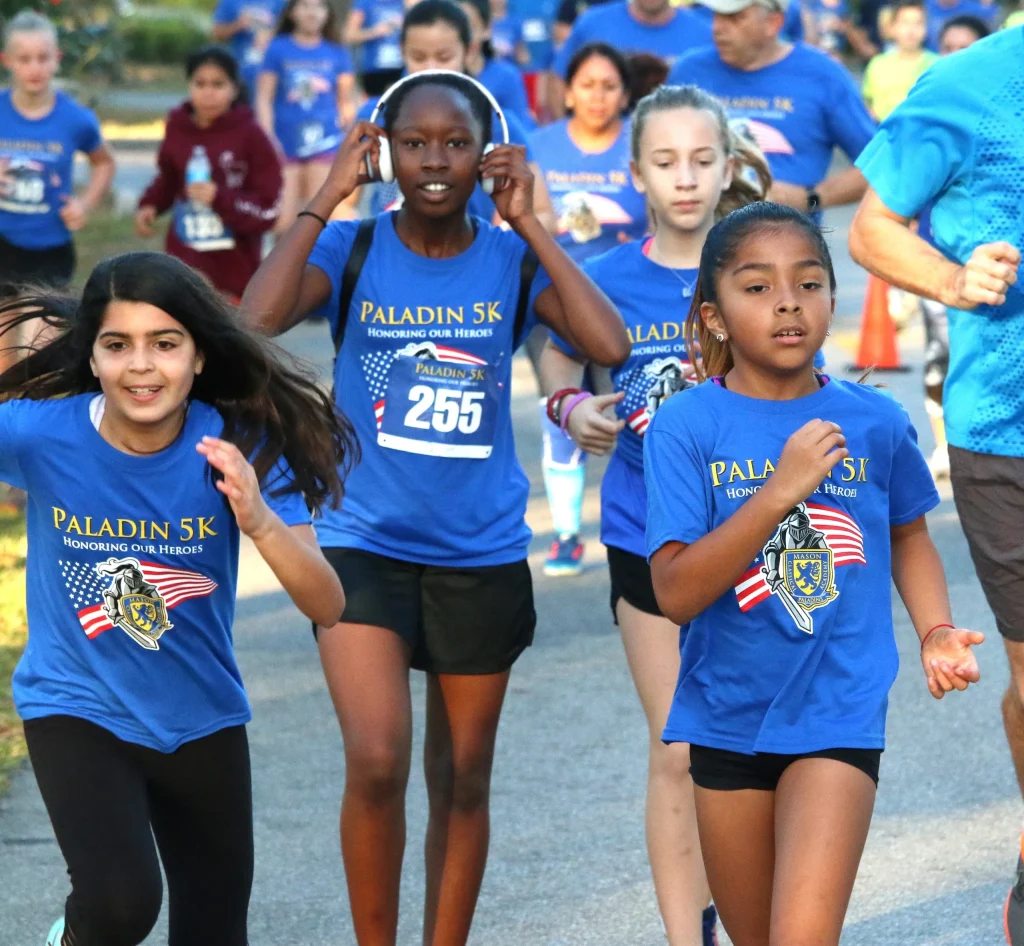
56, 935
709, 927
565, 557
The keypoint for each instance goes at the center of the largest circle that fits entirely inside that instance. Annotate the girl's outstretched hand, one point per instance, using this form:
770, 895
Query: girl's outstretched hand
948, 661
513, 189
240, 485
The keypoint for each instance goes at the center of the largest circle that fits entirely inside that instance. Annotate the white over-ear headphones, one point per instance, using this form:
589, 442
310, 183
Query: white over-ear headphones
385, 164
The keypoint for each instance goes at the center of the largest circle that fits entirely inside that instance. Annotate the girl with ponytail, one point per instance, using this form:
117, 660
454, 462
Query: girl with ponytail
692, 168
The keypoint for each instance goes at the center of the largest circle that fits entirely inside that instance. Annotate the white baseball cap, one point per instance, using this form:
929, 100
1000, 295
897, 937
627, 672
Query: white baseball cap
728, 7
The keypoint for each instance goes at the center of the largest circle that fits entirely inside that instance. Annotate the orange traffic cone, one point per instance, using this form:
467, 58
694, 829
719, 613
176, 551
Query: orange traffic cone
877, 348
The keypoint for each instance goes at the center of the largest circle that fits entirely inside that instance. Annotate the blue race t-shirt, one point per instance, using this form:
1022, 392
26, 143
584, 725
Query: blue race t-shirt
130, 577
593, 194
800, 654
506, 35
505, 82
262, 15
383, 197
613, 23
378, 55
424, 375
956, 143
306, 103
537, 17
799, 109
653, 301
36, 169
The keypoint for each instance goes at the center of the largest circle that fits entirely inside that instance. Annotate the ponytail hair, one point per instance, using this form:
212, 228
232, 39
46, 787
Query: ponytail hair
710, 357
272, 405
750, 177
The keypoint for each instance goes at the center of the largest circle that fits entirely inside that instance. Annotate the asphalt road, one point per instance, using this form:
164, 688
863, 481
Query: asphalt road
568, 866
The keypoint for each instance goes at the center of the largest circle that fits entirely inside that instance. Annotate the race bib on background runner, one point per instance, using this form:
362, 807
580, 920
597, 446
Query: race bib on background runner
201, 229
439, 409
23, 186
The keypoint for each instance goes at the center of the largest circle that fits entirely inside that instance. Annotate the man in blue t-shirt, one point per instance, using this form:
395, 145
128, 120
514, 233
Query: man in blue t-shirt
799, 104
632, 26
957, 143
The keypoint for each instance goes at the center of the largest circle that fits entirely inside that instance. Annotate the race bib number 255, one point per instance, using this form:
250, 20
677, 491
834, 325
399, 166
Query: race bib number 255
440, 409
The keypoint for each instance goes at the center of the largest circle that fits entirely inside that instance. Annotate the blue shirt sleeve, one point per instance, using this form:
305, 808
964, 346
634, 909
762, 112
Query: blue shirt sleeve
681, 73
226, 12
912, 490
922, 146
272, 59
330, 254
88, 136
343, 61
849, 122
10, 471
678, 504
517, 134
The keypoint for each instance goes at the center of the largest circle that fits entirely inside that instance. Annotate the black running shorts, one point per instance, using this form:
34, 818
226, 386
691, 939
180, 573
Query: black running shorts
725, 771
455, 620
631, 580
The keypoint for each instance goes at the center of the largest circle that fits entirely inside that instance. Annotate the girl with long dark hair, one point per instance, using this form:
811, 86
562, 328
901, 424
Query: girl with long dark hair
150, 433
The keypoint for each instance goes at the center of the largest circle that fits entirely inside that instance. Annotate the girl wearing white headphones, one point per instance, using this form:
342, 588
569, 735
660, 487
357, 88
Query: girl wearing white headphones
427, 308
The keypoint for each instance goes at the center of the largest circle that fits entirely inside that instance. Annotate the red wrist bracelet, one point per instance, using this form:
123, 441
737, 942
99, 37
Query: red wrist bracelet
554, 401
932, 631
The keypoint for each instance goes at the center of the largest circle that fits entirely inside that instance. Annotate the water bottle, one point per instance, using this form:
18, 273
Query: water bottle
198, 170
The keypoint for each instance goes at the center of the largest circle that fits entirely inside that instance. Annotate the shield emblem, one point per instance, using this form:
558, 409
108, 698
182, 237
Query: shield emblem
809, 576
144, 614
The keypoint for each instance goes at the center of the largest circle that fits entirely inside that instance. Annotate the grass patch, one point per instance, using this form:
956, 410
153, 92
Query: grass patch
12, 636
109, 234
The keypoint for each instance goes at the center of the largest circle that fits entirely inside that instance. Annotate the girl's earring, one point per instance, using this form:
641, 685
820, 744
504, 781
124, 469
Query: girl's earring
720, 337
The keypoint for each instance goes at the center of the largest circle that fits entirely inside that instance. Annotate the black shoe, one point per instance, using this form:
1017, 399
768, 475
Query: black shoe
1013, 912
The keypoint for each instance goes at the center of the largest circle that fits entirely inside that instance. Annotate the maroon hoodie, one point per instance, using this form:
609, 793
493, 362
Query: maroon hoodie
247, 172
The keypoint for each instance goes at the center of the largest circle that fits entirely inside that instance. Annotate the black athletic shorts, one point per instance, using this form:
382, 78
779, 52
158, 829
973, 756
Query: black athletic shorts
631, 580
726, 771
51, 268
455, 620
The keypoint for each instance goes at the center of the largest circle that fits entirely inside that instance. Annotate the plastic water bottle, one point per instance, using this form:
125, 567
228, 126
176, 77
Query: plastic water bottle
198, 170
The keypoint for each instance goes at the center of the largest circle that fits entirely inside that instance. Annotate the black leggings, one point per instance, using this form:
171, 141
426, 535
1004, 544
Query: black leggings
107, 799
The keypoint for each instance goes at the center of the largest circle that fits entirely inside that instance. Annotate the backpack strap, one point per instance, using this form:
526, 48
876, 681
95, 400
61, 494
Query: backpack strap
353, 267
527, 270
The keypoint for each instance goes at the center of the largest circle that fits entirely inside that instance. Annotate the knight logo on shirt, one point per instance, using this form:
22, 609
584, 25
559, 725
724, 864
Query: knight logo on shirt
584, 215
131, 595
649, 388
798, 563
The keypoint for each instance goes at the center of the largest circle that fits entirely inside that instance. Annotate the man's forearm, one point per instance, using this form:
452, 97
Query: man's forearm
885, 246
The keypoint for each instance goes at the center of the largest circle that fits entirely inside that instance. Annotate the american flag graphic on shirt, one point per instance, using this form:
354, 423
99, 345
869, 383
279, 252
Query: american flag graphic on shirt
842, 536
85, 587
652, 382
377, 367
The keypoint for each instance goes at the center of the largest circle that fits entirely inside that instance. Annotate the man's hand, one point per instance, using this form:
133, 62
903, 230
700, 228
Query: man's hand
985, 278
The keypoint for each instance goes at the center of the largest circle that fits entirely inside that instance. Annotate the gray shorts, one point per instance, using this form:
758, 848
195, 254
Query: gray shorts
989, 495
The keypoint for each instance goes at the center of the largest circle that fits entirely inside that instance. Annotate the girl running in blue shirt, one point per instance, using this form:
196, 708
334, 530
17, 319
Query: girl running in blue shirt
431, 542
150, 433
585, 160
782, 505
41, 129
304, 98
691, 169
